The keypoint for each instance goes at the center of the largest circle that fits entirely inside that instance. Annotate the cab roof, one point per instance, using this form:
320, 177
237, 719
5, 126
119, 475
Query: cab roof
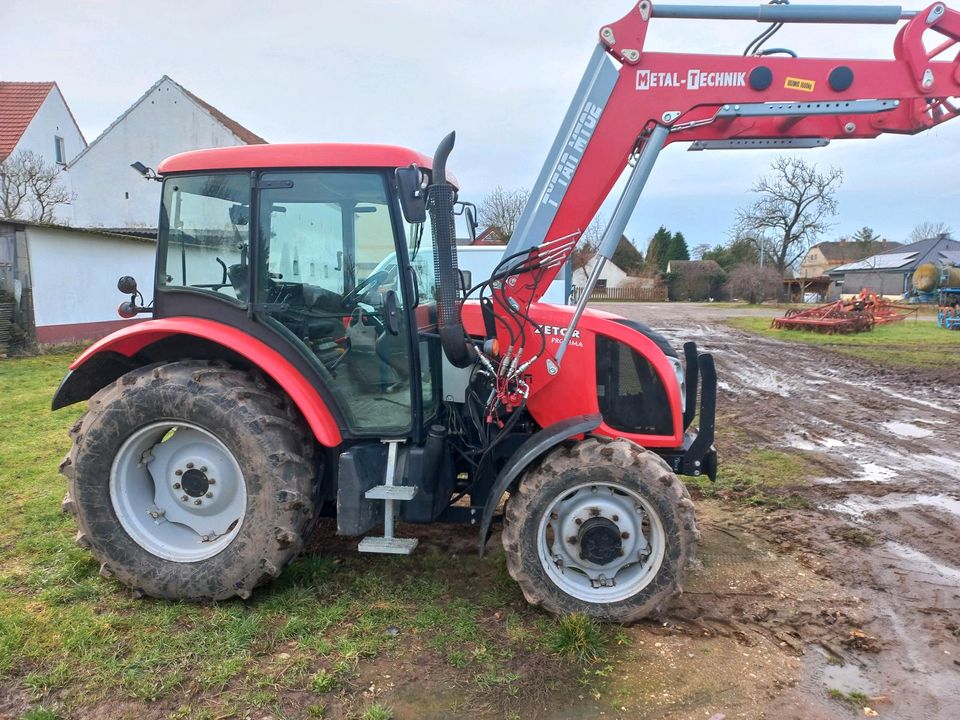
295, 155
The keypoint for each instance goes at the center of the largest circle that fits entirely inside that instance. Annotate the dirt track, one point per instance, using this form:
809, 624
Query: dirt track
869, 576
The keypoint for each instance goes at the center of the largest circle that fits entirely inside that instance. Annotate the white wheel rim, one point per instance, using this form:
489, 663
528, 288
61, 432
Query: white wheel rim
178, 491
643, 542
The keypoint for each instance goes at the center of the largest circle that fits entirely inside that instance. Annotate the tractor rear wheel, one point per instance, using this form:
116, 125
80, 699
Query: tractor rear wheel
603, 528
190, 481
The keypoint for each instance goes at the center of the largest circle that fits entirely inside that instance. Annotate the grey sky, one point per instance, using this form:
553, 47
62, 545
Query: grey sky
500, 73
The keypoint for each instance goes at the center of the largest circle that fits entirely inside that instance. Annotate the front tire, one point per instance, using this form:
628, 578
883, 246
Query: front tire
190, 481
602, 528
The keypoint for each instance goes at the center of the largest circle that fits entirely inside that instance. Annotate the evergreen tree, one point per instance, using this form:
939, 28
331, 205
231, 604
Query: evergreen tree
657, 250
627, 257
676, 249
865, 235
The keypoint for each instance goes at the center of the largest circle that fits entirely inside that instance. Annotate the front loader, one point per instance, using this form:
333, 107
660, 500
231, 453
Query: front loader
312, 348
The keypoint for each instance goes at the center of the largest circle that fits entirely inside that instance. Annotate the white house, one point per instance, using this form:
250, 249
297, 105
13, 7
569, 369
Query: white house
168, 119
610, 276
34, 117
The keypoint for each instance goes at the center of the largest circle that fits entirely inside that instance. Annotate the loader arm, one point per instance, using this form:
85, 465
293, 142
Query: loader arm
632, 103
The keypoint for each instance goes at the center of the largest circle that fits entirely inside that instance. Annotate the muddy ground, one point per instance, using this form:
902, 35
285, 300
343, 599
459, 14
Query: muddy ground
858, 591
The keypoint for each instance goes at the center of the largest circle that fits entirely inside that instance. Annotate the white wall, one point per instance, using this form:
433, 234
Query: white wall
74, 274
610, 272
52, 119
481, 260
163, 123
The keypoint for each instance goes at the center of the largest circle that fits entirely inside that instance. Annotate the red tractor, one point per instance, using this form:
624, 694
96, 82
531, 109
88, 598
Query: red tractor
309, 353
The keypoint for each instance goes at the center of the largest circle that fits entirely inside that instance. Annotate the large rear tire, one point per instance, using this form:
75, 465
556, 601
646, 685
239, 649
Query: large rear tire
190, 481
602, 528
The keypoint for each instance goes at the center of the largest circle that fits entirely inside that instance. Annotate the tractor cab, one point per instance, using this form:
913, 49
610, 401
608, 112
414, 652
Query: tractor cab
309, 243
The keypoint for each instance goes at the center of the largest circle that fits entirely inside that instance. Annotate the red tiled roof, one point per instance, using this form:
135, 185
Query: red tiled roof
19, 102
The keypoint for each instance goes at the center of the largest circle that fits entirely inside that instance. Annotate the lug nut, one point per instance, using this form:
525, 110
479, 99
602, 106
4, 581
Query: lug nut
189, 466
176, 486
198, 501
615, 518
209, 494
179, 472
625, 535
572, 540
184, 498
578, 521
203, 468
211, 481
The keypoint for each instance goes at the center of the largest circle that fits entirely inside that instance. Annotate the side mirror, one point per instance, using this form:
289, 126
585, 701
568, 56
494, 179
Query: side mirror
469, 212
129, 309
413, 199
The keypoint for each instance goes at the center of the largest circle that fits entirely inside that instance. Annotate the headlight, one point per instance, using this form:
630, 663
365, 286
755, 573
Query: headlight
681, 380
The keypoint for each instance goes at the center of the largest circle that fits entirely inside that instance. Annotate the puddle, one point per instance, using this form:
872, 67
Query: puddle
909, 398
831, 443
872, 472
921, 562
858, 505
847, 678
907, 430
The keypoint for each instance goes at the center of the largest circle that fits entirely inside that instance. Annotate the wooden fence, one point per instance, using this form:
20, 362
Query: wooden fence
624, 294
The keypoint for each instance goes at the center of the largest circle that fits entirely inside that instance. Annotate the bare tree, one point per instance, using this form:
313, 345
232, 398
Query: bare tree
699, 250
587, 247
501, 209
793, 210
30, 189
927, 229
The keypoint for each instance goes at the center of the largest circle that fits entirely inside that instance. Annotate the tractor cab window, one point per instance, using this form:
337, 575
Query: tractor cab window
420, 251
329, 275
204, 234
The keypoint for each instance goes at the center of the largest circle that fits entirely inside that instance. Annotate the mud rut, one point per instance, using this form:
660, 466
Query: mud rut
882, 539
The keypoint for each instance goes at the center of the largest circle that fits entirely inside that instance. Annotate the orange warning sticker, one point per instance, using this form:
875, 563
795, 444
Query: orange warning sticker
800, 84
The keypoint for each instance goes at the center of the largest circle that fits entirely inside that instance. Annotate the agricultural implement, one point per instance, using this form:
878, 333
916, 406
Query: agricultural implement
859, 314
307, 353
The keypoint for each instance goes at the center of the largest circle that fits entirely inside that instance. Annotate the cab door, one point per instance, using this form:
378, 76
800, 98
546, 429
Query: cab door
329, 279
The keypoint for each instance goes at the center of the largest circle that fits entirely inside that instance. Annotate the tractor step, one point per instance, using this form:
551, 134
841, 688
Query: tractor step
391, 492
393, 546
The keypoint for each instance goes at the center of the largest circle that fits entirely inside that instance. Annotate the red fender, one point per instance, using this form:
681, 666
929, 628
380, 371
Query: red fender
130, 340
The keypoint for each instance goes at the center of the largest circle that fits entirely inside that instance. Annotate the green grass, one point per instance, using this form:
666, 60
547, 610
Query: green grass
854, 698
757, 476
910, 343
70, 639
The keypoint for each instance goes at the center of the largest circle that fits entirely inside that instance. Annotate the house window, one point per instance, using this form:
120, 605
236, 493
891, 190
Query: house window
61, 155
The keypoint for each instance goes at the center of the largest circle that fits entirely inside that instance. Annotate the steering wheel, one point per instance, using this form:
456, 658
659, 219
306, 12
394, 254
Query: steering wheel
366, 284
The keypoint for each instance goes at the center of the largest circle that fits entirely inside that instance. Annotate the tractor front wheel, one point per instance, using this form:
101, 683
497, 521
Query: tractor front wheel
602, 528
190, 481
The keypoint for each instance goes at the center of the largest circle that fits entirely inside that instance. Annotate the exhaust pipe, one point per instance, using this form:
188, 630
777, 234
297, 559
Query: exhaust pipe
440, 199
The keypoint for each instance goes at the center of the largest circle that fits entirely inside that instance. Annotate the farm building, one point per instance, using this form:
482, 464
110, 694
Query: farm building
168, 119
889, 273
63, 280
694, 279
824, 257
